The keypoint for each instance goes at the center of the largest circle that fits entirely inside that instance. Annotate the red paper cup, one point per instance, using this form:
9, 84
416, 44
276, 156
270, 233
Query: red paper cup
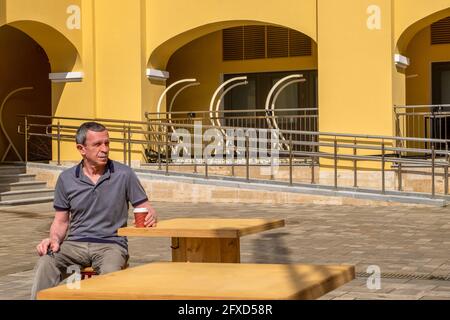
139, 217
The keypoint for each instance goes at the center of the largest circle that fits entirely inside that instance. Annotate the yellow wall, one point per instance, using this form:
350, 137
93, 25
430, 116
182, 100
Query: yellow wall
118, 63
355, 69
179, 22
189, 62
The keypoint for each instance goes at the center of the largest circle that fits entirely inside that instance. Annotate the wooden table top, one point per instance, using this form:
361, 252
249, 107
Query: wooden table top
212, 281
204, 228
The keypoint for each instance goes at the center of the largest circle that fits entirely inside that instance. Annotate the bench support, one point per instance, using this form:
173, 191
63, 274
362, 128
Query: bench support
215, 250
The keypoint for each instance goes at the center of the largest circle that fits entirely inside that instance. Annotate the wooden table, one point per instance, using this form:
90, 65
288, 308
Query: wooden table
204, 240
209, 281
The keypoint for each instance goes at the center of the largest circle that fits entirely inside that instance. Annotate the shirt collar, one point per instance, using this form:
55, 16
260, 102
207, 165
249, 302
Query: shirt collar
109, 168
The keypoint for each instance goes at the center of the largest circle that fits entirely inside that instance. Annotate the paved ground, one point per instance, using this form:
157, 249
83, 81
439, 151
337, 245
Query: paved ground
406, 243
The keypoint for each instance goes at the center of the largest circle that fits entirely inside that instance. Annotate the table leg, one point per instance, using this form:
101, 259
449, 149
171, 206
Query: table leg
218, 250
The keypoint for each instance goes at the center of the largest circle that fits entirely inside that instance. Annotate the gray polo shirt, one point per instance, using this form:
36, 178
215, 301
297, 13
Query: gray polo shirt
97, 211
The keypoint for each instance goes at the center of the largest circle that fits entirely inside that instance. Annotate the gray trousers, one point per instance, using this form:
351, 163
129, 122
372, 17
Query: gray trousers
103, 257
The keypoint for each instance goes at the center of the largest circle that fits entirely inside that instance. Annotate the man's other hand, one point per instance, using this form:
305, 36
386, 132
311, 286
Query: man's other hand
152, 217
46, 244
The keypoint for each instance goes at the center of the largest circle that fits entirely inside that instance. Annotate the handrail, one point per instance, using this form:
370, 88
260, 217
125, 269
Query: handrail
313, 145
232, 111
332, 134
422, 106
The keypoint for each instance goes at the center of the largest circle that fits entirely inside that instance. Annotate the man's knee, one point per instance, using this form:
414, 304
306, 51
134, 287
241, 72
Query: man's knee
109, 258
46, 264
46, 275
110, 267
112, 264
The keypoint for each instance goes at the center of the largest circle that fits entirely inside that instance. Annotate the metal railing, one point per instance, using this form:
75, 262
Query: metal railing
299, 119
423, 121
335, 150
304, 119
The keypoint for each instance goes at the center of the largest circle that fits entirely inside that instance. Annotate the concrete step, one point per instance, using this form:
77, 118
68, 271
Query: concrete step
8, 170
26, 185
26, 201
26, 194
279, 186
13, 163
11, 178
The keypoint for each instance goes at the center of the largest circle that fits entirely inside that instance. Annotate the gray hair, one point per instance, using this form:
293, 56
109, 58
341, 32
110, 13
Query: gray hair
80, 138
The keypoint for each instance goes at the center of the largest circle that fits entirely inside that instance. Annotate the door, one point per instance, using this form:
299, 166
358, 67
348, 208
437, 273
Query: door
441, 96
253, 97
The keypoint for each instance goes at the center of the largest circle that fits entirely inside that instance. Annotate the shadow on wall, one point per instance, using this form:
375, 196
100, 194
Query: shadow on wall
23, 63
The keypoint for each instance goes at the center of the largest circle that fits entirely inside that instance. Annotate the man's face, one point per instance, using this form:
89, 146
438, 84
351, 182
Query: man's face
96, 148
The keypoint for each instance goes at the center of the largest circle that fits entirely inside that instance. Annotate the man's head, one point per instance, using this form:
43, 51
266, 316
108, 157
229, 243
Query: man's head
93, 143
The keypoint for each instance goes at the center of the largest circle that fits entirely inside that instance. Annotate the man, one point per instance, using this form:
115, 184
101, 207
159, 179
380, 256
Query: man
91, 202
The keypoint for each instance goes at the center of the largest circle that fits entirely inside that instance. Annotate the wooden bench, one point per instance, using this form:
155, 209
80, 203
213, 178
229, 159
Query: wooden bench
205, 281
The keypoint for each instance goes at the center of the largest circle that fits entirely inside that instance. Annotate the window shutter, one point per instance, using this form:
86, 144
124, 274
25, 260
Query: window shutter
260, 42
254, 42
277, 42
299, 44
233, 44
440, 32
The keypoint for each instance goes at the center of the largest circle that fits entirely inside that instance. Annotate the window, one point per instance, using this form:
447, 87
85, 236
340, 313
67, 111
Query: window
261, 42
253, 96
440, 32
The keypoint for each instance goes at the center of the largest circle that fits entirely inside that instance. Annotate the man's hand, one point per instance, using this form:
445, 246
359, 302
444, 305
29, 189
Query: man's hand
57, 233
151, 218
46, 244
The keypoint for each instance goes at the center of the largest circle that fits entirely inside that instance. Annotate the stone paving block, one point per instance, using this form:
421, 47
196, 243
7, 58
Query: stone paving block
317, 234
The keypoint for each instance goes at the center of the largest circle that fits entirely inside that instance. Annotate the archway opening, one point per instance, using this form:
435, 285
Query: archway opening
427, 110
264, 53
29, 52
25, 88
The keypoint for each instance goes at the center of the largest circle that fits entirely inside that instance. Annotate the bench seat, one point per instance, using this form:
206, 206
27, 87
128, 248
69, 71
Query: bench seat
224, 281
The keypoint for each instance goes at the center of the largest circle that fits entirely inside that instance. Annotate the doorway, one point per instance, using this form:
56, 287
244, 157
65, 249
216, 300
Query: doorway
441, 100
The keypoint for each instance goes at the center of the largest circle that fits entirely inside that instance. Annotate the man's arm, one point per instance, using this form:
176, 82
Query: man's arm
151, 219
58, 232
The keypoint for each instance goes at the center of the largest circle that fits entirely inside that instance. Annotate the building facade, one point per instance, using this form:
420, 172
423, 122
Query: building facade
360, 58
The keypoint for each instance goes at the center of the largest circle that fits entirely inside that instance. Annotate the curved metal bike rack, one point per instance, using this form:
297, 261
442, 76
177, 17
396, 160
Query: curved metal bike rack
219, 101
273, 90
275, 93
161, 98
274, 101
11, 144
215, 112
216, 93
192, 84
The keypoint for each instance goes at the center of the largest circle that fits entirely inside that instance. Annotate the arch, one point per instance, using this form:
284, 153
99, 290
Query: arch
161, 55
25, 88
409, 33
62, 54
